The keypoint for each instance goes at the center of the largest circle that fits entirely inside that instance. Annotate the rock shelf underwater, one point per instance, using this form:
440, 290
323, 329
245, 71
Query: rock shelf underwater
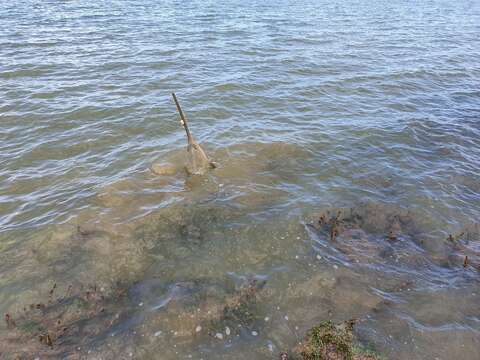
129, 291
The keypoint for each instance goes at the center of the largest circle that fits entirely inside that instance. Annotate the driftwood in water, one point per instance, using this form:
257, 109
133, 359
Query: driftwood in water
197, 160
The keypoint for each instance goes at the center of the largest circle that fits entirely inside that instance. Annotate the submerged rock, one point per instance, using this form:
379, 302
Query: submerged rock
385, 234
372, 234
163, 169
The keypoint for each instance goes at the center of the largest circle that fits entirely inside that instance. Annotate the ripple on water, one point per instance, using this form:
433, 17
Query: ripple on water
305, 106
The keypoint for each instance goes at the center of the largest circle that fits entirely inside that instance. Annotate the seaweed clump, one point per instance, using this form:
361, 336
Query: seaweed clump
331, 224
329, 341
394, 224
465, 248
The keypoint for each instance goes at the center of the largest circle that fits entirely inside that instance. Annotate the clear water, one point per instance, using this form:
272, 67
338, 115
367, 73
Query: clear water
306, 106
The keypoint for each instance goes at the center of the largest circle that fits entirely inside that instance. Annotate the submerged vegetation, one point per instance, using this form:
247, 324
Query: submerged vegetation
71, 322
240, 310
381, 230
369, 218
74, 319
329, 341
64, 322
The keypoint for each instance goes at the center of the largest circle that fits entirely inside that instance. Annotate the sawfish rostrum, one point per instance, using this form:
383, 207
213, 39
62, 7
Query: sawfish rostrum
197, 160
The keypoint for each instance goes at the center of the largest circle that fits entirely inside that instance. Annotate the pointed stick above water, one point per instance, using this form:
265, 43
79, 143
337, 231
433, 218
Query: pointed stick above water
197, 160
183, 120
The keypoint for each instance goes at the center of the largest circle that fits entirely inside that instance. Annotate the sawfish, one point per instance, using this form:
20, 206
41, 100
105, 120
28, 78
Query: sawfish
197, 160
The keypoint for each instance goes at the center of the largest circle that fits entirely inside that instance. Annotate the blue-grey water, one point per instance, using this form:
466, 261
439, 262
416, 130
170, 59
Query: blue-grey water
305, 106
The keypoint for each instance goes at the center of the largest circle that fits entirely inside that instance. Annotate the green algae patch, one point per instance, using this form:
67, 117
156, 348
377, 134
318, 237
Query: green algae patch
329, 341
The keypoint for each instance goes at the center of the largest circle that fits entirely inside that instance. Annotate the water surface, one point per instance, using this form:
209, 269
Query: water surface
306, 106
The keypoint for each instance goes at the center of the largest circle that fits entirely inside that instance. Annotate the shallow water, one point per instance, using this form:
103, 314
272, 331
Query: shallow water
306, 106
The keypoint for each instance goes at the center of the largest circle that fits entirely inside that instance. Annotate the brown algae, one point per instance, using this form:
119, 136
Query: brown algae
329, 341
